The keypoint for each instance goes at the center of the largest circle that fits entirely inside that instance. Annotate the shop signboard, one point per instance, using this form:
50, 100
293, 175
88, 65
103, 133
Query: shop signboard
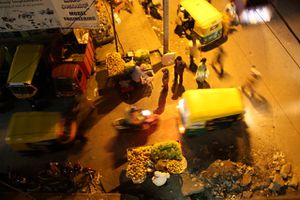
76, 13
22, 15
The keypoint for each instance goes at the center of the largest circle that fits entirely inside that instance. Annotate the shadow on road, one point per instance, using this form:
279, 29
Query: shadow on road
161, 101
137, 94
177, 90
259, 102
227, 143
204, 85
127, 139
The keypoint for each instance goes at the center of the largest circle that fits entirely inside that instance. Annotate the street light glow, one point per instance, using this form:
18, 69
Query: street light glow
256, 15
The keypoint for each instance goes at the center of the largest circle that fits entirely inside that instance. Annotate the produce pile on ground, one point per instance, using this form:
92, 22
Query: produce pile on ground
142, 56
165, 157
115, 64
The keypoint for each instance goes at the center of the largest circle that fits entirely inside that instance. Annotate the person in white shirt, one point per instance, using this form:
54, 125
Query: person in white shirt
231, 11
140, 77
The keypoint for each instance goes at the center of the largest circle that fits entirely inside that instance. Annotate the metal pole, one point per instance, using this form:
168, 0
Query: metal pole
166, 25
113, 23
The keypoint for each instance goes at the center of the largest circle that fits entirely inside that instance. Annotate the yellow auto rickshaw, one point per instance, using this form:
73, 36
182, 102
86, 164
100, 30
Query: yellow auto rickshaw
207, 109
24, 73
207, 20
29, 131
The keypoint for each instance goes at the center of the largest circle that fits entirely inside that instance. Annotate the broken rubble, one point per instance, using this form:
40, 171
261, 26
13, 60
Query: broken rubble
278, 180
247, 194
224, 178
285, 170
246, 180
277, 185
293, 182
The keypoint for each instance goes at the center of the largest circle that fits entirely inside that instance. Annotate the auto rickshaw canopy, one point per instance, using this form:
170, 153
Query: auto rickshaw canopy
207, 104
25, 63
202, 12
32, 127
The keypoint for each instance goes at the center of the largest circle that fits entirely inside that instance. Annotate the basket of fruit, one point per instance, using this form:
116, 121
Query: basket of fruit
115, 64
164, 156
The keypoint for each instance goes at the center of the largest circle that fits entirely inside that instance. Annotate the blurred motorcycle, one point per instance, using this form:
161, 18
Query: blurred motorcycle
136, 119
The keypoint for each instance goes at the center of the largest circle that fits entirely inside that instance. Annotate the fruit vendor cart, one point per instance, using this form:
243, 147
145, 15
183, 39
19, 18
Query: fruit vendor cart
120, 68
145, 160
117, 64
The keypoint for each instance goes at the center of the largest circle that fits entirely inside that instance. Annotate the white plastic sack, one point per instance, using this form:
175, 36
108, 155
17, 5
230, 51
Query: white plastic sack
160, 178
168, 58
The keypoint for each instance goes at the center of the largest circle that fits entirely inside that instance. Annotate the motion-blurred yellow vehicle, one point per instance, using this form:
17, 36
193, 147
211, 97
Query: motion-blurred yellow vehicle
207, 109
207, 20
40, 131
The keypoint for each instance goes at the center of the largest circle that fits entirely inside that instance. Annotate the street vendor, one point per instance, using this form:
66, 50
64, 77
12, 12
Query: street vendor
139, 76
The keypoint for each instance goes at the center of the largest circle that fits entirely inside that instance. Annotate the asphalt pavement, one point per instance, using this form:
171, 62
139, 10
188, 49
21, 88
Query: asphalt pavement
105, 148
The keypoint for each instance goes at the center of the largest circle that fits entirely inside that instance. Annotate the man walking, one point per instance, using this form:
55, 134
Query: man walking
194, 47
179, 69
219, 60
249, 86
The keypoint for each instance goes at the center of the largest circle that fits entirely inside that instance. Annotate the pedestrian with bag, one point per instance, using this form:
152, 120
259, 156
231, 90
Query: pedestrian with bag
179, 67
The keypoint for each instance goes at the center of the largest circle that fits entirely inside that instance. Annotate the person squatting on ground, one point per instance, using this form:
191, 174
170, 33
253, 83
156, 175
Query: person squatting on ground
219, 60
180, 20
140, 77
165, 79
201, 73
249, 86
179, 67
195, 52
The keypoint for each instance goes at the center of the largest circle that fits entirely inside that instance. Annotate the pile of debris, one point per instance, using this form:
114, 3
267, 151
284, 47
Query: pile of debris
225, 179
